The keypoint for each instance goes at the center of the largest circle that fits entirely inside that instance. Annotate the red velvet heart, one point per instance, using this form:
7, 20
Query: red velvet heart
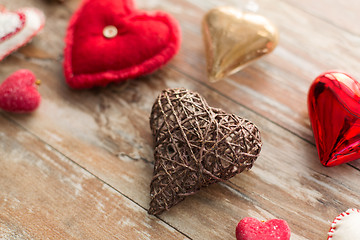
18, 93
143, 43
334, 110
253, 229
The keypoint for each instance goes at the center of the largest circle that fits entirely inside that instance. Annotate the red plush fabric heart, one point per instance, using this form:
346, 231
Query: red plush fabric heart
253, 229
142, 43
18, 93
334, 110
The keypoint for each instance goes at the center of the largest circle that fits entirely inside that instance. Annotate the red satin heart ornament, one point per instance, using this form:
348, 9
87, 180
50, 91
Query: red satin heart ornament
334, 110
111, 41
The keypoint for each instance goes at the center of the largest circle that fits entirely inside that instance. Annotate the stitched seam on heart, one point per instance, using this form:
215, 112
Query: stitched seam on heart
338, 219
17, 46
106, 77
22, 19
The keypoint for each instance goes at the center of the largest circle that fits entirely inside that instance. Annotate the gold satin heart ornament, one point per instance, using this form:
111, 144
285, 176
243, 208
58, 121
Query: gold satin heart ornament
234, 39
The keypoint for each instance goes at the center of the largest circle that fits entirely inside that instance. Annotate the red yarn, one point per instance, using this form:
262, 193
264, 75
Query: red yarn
18, 93
145, 41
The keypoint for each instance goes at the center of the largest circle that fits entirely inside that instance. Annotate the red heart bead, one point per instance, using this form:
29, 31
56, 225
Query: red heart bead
18, 93
110, 41
334, 110
253, 229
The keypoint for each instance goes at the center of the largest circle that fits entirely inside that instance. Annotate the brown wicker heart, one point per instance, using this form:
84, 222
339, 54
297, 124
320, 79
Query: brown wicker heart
196, 145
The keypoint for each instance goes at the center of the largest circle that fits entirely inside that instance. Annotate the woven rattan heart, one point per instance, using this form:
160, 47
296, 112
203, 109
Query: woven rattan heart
196, 145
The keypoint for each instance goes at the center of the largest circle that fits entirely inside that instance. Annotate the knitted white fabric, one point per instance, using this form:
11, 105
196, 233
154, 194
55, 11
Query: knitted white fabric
34, 22
9, 22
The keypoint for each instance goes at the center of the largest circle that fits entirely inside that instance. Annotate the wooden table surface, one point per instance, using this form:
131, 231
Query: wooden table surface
81, 165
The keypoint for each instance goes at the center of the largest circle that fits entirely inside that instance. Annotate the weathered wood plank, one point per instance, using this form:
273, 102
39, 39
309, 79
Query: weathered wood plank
106, 131
276, 86
43, 195
342, 14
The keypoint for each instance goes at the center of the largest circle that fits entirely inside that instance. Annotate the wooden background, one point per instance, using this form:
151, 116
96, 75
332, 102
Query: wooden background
80, 166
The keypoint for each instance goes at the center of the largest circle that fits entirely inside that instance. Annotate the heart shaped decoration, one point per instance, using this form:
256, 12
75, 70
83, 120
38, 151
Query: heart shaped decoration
18, 28
253, 229
111, 41
346, 226
334, 103
234, 39
196, 145
18, 93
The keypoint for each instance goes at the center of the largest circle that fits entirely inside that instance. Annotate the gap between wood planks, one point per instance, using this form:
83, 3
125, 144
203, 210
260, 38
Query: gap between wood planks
206, 86
332, 23
175, 68
12, 121
269, 118
228, 184
249, 109
69, 10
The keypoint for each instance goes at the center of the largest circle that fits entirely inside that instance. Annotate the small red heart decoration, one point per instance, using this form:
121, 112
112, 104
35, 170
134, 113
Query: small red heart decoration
18, 28
334, 111
253, 229
18, 93
111, 41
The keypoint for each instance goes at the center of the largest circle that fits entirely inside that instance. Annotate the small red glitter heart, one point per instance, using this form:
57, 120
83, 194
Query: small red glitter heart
253, 229
334, 110
18, 93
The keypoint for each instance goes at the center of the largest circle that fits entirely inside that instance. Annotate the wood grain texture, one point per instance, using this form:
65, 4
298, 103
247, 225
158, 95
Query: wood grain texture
275, 86
340, 14
89, 153
46, 195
